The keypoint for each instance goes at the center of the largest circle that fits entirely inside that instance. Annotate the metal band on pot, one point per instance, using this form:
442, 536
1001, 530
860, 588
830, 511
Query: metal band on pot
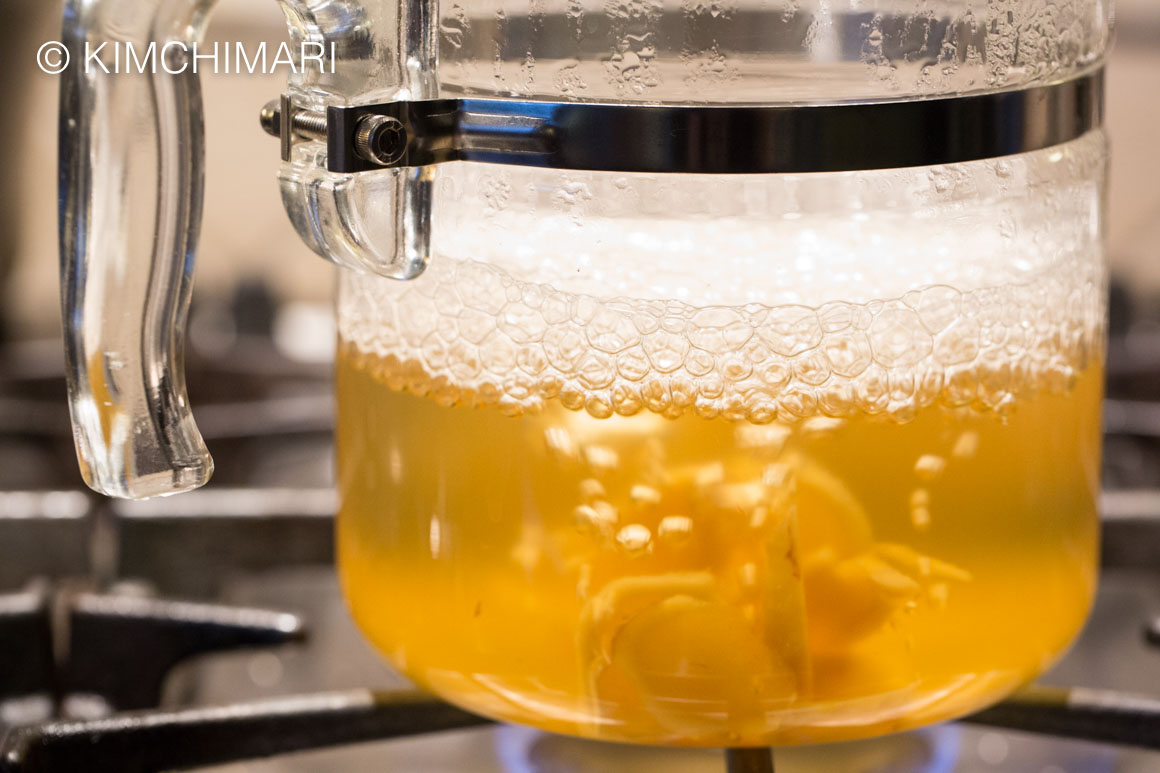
697, 139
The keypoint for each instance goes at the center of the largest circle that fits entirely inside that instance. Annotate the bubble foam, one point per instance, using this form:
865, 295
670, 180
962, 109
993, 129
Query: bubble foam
471, 333
762, 298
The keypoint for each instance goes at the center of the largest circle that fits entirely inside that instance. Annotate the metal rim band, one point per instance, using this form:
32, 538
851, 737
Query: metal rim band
718, 139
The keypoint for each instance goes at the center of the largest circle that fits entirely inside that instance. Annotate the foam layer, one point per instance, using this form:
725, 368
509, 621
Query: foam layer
471, 333
763, 298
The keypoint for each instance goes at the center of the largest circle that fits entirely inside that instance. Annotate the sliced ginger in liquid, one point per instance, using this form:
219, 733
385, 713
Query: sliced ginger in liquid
754, 550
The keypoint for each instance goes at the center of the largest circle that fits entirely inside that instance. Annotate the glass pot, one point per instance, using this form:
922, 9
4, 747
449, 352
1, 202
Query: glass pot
713, 373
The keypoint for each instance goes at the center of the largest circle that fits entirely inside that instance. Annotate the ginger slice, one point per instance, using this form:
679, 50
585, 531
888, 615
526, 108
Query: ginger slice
852, 585
747, 605
829, 515
919, 566
725, 642
850, 598
752, 514
621, 600
783, 601
867, 671
701, 670
615, 695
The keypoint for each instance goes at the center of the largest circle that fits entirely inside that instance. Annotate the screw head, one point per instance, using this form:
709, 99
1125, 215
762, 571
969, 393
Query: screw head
381, 139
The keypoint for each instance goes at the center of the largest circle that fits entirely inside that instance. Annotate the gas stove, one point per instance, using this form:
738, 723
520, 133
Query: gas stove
208, 630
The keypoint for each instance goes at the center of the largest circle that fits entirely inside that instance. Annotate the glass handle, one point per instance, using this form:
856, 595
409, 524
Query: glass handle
131, 188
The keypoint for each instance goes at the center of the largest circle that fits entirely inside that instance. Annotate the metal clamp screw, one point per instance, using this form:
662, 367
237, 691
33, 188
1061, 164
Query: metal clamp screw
281, 119
380, 139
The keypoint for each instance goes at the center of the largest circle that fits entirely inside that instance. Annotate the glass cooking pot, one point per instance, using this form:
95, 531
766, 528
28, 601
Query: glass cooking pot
711, 372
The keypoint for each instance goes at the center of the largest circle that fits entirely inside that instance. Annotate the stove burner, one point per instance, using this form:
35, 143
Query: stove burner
520, 749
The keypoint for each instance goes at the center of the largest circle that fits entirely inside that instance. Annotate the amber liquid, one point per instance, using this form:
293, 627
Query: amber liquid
705, 582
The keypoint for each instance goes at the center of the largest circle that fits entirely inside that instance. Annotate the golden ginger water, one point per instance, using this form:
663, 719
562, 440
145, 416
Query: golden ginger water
715, 581
768, 459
